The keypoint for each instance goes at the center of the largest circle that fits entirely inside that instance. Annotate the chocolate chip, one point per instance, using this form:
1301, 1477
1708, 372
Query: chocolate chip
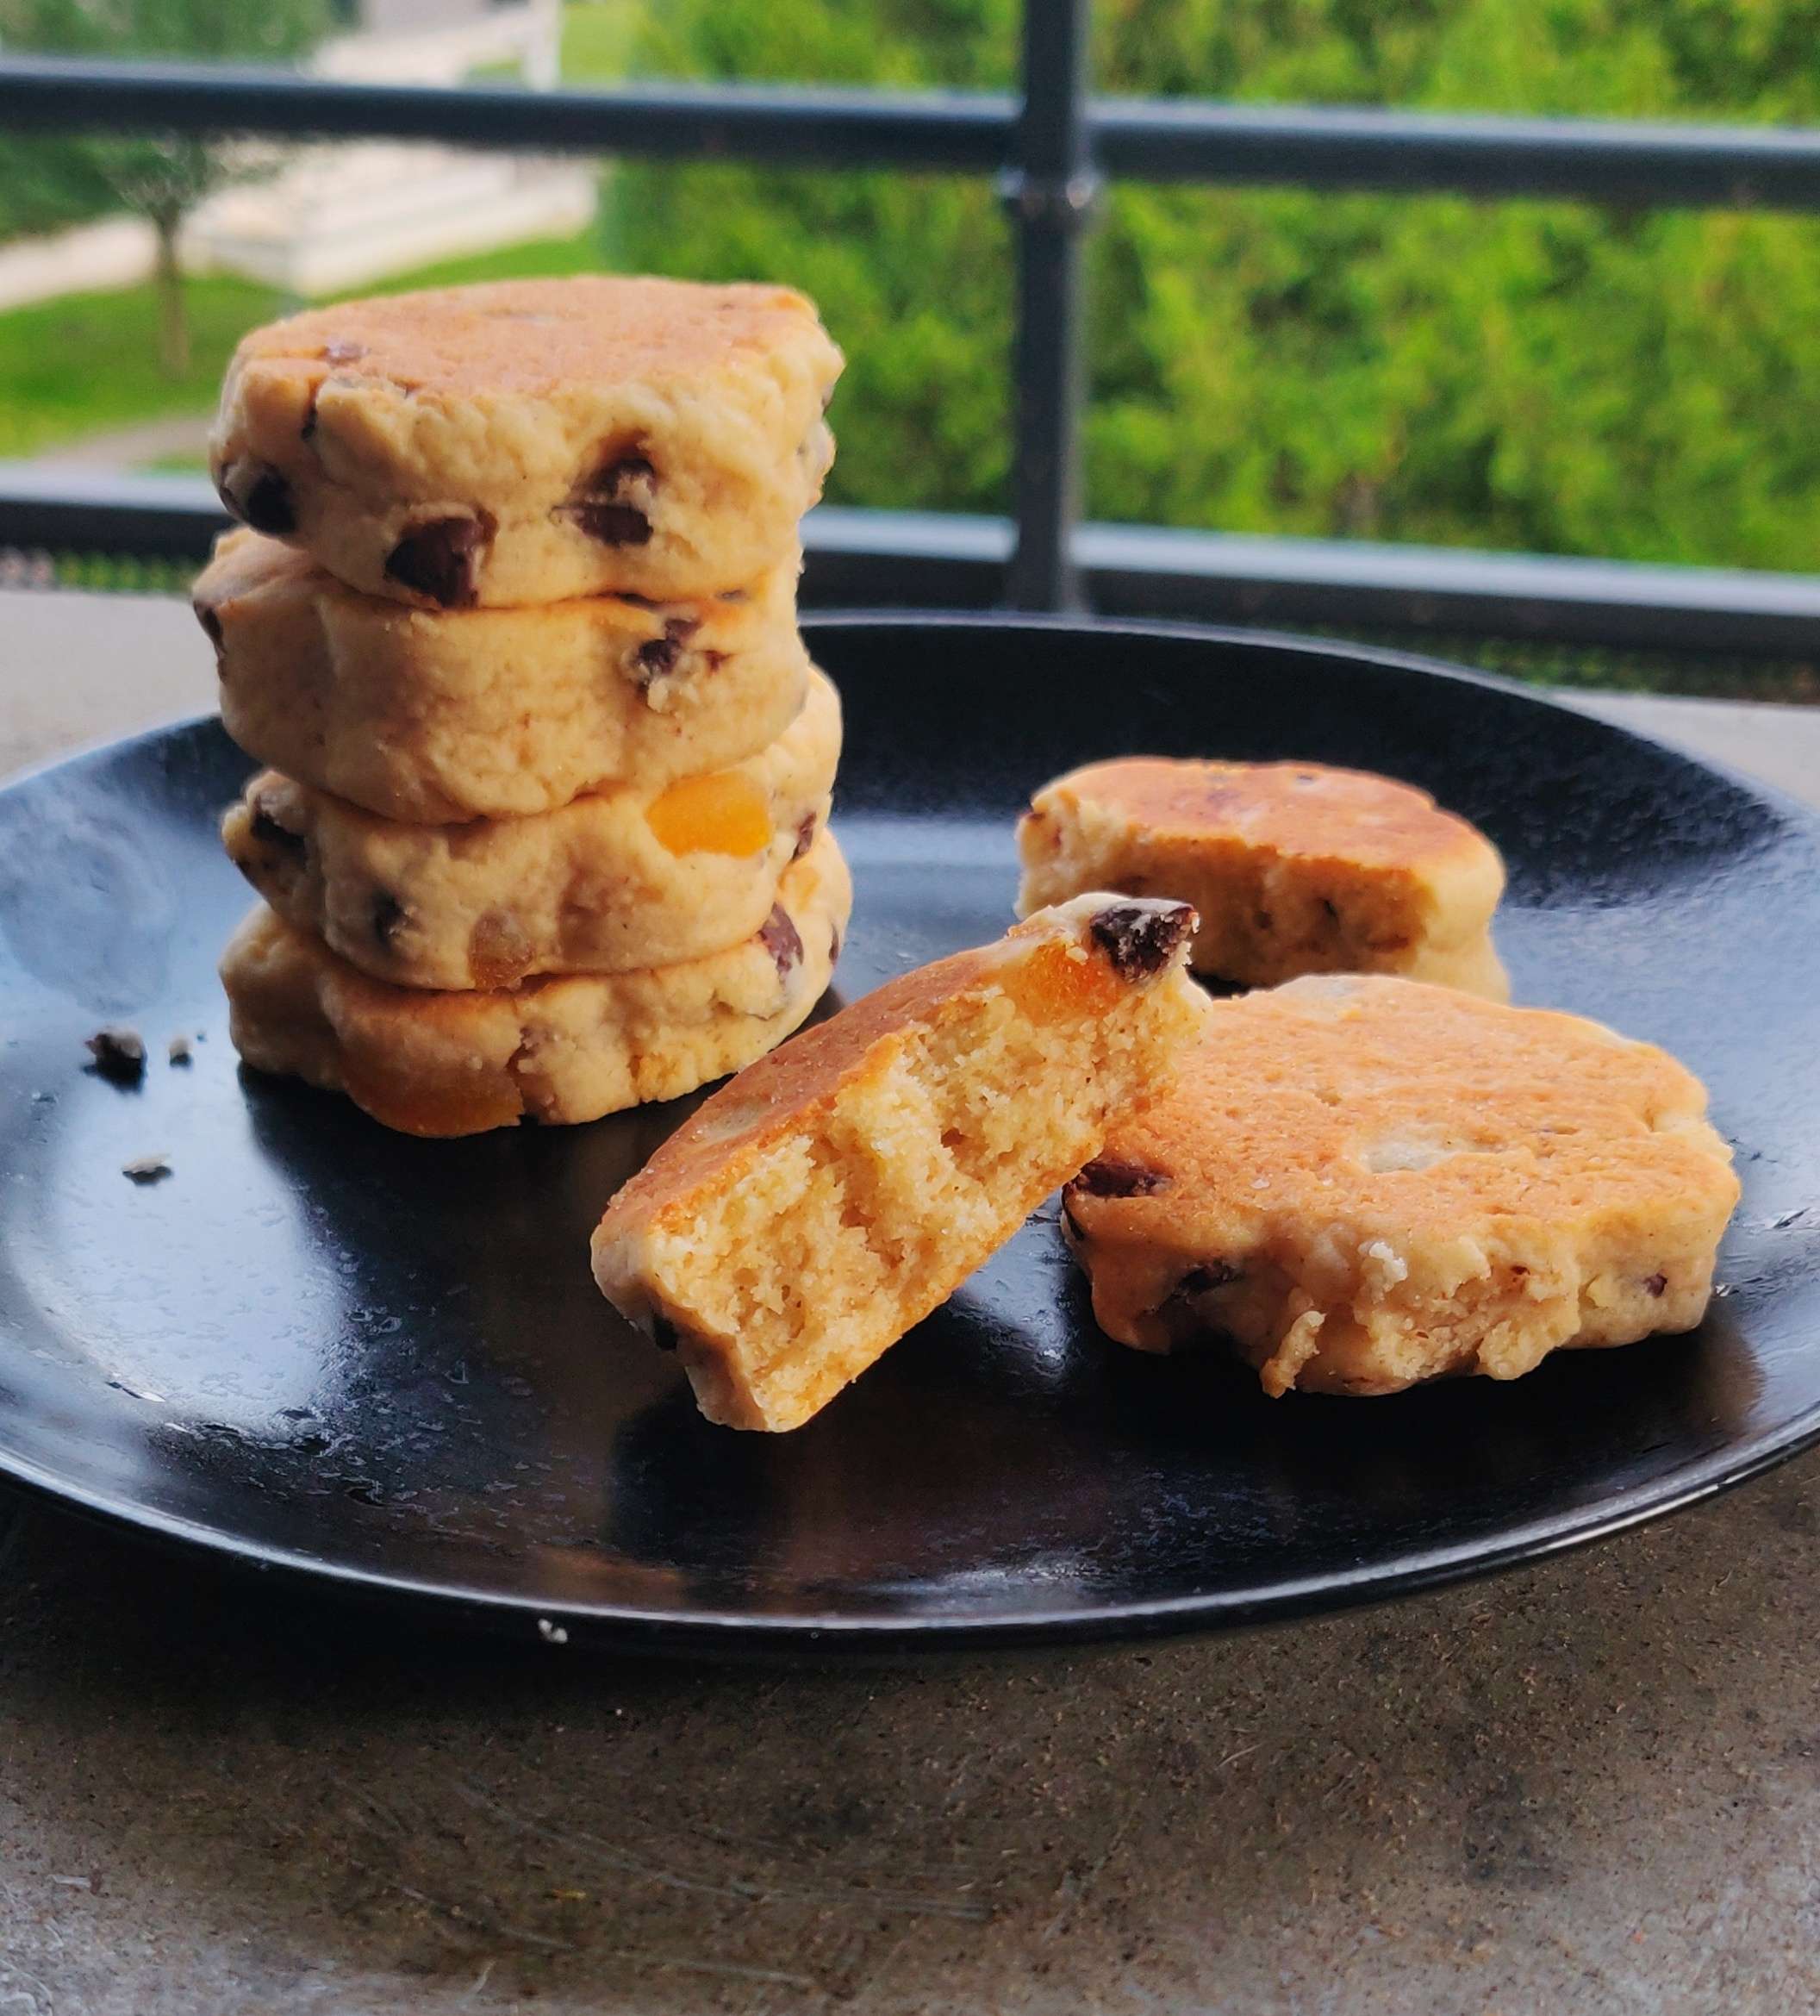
256, 494
805, 836
1113, 1175
387, 914
307, 432
267, 831
1201, 1280
119, 1054
663, 1332
615, 504
1657, 1284
611, 524
211, 623
441, 559
1142, 939
1185, 1324
656, 659
781, 939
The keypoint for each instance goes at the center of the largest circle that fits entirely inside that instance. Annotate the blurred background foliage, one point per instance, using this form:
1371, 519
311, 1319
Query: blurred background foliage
1535, 376
1523, 375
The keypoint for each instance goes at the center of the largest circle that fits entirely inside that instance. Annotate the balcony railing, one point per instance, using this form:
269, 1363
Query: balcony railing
1050, 149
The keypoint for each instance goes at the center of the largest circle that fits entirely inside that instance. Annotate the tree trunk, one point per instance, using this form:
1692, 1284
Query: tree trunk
173, 321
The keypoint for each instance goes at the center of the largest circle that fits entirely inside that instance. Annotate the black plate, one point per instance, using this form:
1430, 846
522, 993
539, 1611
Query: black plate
322, 1347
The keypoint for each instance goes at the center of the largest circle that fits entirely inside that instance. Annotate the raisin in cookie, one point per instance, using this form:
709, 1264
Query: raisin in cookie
1366, 1181
532, 440
611, 881
560, 1050
1294, 868
830, 1196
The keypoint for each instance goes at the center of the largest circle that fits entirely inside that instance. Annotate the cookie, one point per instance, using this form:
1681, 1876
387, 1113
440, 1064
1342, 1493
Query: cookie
491, 713
830, 1196
614, 881
1294, 868
1366, 1182
532, 440
560, 1050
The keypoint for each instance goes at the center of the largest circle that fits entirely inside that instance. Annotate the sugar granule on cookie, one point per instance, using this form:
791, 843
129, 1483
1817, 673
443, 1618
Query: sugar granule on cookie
1361, 1183
1293, 867
835, 1192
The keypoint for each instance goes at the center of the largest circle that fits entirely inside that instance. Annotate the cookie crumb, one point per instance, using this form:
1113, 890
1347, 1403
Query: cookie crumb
148, 1169
119, 1054
180, 1050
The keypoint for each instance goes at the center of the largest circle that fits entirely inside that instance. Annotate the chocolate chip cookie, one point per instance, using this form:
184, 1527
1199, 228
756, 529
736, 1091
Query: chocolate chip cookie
560, 1050
613, 881
1363, 1182
528, 441
1294, 867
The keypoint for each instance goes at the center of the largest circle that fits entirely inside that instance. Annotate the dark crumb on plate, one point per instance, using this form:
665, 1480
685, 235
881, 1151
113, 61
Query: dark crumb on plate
180, 1050
148, 1169
119, 1054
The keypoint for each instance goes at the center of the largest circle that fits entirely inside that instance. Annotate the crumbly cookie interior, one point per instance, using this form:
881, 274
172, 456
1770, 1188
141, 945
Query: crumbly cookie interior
845, 1232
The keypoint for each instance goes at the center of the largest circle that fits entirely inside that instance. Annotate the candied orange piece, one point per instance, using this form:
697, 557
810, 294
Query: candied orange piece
726, 813
1051, 983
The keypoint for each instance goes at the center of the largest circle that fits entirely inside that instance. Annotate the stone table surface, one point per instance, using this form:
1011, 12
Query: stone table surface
1591, 1784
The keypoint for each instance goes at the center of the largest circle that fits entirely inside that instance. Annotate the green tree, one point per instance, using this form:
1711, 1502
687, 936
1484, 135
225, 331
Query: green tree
1534, 375
162, 179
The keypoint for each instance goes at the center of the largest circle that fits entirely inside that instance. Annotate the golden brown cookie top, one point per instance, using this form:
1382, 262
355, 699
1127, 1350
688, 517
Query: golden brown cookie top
1077, 958
1377, 1105
1305, 810
517, 339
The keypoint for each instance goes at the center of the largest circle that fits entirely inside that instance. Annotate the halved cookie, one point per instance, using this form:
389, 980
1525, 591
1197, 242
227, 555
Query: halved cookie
815, 1208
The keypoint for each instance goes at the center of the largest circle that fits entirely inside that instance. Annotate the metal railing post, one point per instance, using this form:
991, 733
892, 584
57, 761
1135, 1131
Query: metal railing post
1051, 195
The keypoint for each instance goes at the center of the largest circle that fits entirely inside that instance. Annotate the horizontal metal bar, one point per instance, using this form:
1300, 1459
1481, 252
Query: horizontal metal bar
1354, 583
931, 130
1654, 166
916, 559
1147, 139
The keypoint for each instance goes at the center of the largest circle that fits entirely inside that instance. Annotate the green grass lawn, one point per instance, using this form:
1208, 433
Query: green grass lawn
598, 38
87, 364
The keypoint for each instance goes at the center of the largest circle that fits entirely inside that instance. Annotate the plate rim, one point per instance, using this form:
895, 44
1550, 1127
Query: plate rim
707, 1630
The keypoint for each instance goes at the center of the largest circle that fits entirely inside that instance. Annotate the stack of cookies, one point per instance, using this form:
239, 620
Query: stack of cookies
513, 620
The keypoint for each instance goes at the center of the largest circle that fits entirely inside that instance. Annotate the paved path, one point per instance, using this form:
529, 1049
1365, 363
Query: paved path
136, 447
